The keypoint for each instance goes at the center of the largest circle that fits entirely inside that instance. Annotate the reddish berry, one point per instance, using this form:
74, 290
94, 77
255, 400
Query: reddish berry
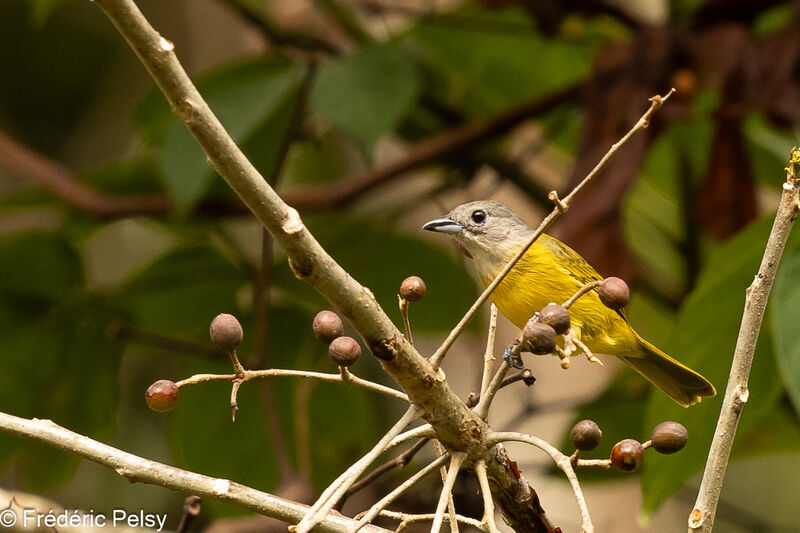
412, 289
162, 395
627, 455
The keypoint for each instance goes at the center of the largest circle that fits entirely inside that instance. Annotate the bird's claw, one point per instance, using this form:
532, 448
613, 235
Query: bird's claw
513, 360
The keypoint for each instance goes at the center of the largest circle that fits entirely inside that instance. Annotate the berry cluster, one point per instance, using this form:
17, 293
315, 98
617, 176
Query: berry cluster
627, 455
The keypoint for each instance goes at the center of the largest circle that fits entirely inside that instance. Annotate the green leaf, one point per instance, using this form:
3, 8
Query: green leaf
38, 267
367, 93
48, 87
68, 374
785, 302
182, 291
41, 10
487, 61
319, 160
704, 339
250, 98
133, 176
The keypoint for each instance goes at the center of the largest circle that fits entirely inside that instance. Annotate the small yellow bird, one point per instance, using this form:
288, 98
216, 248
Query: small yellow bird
550, 271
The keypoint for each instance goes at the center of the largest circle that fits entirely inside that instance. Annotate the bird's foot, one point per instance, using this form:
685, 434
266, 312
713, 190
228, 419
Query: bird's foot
511, 358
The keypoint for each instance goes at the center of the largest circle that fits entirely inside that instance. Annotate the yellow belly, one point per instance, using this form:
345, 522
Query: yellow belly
538, 279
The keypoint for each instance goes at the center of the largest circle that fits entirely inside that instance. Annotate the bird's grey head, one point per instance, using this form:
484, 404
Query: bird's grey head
483, 228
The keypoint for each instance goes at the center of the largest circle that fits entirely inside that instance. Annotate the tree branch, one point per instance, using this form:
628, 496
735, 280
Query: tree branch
60, 181
702, 516
456, 426
428, 150
138, 469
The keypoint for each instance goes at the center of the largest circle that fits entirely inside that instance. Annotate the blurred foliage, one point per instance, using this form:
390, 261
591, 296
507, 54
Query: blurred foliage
82, 334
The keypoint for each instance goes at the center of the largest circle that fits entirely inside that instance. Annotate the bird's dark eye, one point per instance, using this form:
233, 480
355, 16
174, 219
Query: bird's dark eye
479, 216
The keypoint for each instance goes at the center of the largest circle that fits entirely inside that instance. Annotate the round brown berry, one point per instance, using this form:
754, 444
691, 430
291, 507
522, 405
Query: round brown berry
614, 293
669, 437
555, 316
327, 326
627, 455
412, 289
162, 395
540, 338
585, 435
225, 331
344, 351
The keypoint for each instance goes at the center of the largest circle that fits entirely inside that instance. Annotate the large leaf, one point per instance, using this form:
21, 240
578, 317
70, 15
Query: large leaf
367, 93
249, 98
180, 292
47, 86
488, 60
38, 267
786, 316
704, 338
62, 366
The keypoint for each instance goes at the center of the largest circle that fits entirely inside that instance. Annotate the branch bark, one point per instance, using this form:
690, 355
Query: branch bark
702, 516
138, 469
457, 427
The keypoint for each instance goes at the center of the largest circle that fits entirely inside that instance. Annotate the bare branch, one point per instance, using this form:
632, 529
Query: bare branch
138, 469
488, 356
702, 516
406, 518
277, 372
381, 504
486, 492
336, 490
456, 460
561, 460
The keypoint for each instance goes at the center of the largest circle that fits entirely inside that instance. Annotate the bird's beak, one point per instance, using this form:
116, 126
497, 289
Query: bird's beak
443, 225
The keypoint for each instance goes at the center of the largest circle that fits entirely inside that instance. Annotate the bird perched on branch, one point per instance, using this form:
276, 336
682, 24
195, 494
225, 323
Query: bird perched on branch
550, 271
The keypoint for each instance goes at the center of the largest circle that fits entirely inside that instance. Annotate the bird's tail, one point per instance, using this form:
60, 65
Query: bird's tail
680, 382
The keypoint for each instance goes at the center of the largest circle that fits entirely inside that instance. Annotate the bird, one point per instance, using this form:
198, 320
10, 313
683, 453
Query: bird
551, 272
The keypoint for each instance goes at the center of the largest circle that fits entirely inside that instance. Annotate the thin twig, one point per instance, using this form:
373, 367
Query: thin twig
580, 292
702, 516
451, 506
425, 431
486, 399
278, 372
138, 469
456, 459
336, 490
398, 462
191, 508
381, 504
486, 492
561, 460
406, 518
525, 375
403, 305
561, 206
488, 355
